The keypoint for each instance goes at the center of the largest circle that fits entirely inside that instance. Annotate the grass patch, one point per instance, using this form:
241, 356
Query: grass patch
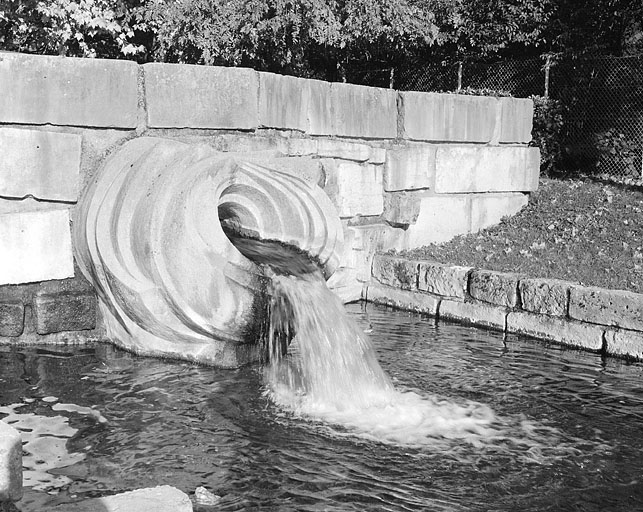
576, 230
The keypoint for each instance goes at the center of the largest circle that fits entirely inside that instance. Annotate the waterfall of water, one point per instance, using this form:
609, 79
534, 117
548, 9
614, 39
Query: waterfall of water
330, 372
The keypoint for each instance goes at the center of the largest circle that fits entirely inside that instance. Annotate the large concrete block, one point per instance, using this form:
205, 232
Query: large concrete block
494, 287
486, 169
68, 91
10, 463
489, 209
283, 103
440, 219
409, 168
447, 117
396, 272
366, 112
355, 189
560, 330
320, 109
445, 280
544, 296
474, 313
517, 115
35, 246
188, 96
407, 300
69, 311
12, 318
607, 307
624, 343
42, 164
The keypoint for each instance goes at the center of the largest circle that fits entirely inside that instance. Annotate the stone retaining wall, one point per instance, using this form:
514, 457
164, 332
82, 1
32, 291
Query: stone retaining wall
595, 319
403, 168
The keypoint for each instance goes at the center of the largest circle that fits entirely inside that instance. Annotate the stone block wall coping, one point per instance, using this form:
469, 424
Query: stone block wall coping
590, 318
104, 93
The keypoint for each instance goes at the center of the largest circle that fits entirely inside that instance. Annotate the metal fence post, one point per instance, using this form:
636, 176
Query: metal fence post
547, 68
459, 88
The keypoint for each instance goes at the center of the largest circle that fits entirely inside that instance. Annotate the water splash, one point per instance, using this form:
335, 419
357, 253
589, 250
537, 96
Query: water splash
330, 373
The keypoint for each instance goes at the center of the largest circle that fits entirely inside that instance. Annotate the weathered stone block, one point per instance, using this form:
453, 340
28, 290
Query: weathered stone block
301, 147
409, 168
378, 156
447, 117
42, 164
35, 246
624, 343
67, 311
68, 91
402, 299
489, 209
12, 318
474, 313
188, 96
494, 287
401, 208
332, 148
461, 169
10, 463
607, 307
361, 243
283, 103
355, 189
445, 280
517, 116
320, 113
395, 271
366, 112
544, 296
560, 330
440, 219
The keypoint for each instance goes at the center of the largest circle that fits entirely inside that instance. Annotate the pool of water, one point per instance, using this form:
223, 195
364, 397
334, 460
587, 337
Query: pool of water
97, 421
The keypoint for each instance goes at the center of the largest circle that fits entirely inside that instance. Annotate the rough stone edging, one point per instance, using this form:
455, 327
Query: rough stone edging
595, 319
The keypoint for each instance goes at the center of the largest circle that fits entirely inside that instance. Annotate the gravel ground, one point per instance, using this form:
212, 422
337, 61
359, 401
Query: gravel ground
577, 230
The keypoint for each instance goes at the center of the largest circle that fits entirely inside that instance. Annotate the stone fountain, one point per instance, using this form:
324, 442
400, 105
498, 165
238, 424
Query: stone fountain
154, 234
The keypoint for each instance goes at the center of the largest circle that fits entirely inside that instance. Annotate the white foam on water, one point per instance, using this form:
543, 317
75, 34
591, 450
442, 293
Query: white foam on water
331, 374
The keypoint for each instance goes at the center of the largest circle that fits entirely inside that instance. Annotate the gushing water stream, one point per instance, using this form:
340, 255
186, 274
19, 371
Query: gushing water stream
330, 373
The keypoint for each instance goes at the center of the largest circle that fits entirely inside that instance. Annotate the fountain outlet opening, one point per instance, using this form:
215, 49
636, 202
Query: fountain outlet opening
168, 234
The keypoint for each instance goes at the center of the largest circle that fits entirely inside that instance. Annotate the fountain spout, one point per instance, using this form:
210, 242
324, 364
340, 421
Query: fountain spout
163, 234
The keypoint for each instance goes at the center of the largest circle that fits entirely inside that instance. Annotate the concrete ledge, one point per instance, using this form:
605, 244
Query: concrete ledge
283, 103
566, 332
68, 91
479, 314
189, 96
320, 107
41, 164
10, 463
541, 308
402, 299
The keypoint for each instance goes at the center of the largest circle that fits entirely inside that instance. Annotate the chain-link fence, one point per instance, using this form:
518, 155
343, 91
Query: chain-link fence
602, 99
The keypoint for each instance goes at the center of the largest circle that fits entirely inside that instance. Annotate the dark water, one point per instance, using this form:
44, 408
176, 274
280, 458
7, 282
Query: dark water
99, 421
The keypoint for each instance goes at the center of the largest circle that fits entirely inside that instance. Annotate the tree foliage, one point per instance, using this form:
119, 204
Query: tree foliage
83, 28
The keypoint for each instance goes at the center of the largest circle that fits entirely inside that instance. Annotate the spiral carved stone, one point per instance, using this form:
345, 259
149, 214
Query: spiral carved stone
148, 234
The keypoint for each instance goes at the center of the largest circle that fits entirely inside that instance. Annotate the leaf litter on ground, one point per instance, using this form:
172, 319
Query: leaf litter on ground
577, 230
